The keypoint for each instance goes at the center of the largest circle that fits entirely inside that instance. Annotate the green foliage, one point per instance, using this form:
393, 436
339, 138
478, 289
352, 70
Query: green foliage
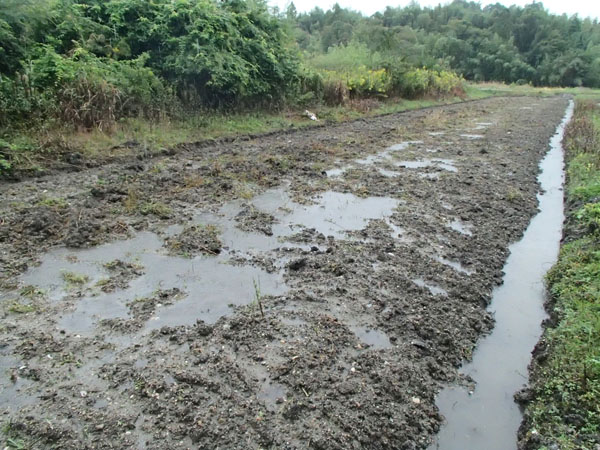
589, 217
495, 43
91, 63
347, 57
74, 279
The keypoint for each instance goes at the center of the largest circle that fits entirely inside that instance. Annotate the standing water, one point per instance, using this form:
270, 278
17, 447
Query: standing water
488, 418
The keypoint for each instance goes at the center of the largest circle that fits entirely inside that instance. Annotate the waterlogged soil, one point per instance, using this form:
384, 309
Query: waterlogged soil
308, 289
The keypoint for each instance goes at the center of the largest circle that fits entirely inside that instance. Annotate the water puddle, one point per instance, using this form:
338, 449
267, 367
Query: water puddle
443, 164
371, 160
271, 394
460, 227
202, 287
454, 265
14, 384
293, 322
212, 285
388, 173
488, 417
433, 288
336, 172
375, 339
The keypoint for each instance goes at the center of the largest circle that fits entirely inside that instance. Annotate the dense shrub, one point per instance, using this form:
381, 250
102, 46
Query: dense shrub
81, 89
93, 62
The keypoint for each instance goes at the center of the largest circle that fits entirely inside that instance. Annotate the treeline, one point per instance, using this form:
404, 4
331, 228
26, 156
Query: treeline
90, 63
495, 43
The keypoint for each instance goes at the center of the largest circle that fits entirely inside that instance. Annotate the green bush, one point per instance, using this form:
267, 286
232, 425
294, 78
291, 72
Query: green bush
82, 90
589, 217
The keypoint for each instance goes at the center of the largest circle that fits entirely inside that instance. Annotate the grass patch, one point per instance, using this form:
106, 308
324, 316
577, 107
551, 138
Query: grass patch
31, 292
55, 203
19, 308
157, 209
74, 279
584, 178
565, 412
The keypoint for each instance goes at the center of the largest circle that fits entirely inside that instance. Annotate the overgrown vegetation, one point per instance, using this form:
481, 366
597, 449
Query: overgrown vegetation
565, 412
494, 43
77, 75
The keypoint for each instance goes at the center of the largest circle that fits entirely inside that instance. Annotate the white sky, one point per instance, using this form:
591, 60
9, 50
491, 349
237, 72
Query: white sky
583, 8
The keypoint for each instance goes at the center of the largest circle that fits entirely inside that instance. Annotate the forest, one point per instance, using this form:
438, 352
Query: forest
90, 63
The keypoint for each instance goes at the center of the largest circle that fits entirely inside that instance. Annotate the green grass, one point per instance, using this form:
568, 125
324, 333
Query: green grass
565, 411
157, 209
19, 308
584, 177
74, 279
31, 152
55, 203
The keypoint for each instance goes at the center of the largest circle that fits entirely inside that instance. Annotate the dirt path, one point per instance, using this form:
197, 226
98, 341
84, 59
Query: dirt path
304, 290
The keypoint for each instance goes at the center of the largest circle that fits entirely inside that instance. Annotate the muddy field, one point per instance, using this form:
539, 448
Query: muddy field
309, 289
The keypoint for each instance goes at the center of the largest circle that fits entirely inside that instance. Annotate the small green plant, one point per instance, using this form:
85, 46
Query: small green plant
243, 191
31, 291
19, 308
158, 209
513, 195
158, 168
70, 358
74, 279
56, 203
14, 439
589, 217
132, 200
102, 282
258, 297
5, 165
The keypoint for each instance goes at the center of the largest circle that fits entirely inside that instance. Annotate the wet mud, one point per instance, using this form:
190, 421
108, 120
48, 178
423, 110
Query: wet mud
312, 289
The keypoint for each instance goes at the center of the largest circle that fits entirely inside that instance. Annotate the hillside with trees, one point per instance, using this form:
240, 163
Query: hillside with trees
495, 43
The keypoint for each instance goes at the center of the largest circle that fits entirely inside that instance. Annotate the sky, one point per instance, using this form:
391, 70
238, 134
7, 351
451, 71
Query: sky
583, 8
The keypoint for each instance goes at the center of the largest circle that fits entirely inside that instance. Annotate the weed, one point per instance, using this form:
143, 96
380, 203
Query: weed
194, 181
131, 201
69, 358
589, 217
14, 439
20, 308
102, 282
158, 168
513, 195
73, 279
56, 203
258, 297
31, 291
243, 191
158, 209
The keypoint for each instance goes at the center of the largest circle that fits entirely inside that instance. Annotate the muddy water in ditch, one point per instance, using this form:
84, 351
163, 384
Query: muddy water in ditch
487, 418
